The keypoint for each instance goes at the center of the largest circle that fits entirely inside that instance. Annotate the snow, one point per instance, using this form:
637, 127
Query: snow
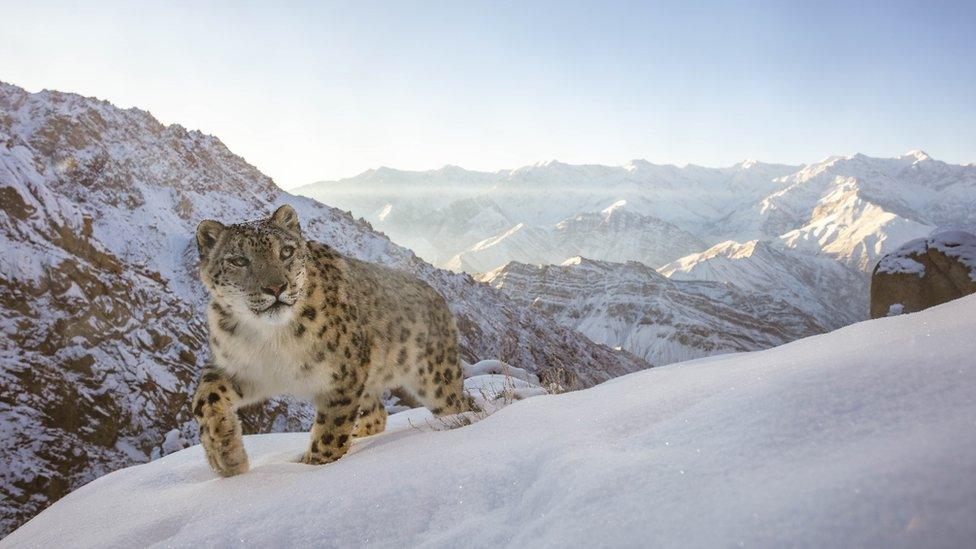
893, 264
499, 367
959, 245
173, 442
861, 437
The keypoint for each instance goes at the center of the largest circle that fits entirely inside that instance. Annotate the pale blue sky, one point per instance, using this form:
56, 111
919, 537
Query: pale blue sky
310, 91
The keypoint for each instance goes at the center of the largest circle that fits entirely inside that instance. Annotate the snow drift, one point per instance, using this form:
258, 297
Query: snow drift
860, 437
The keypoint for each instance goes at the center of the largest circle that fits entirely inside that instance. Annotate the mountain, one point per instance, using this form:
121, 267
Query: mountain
619, 234
522, 242
448, 212
101, 312
829, 291
860, 437
630, 305
810, 234
857, 208
853, 208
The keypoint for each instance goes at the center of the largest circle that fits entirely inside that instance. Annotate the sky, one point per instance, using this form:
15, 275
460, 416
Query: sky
308, 91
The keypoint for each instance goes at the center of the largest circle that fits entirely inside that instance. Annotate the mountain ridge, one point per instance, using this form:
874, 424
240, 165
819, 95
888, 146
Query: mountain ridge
662, 320
846, 209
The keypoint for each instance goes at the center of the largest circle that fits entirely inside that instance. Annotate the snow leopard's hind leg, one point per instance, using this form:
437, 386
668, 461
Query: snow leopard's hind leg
337, 411
372, 416
441, 389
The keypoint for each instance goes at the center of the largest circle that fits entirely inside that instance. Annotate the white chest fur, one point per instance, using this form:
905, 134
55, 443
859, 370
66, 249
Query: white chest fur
269, 358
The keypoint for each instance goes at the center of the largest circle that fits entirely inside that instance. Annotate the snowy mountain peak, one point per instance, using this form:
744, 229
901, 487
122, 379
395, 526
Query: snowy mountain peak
638, 164
917, 155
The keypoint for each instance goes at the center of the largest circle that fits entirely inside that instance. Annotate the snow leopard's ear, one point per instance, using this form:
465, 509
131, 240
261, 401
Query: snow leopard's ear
287, 218
208, 231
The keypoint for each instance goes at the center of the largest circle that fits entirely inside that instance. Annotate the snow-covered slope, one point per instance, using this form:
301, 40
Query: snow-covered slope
831, 292
857, 208
619, 234
101, 324
862, 437
661, 320
521, 243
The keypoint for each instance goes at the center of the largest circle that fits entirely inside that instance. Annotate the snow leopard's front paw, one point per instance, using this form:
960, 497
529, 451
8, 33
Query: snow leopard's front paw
223, 443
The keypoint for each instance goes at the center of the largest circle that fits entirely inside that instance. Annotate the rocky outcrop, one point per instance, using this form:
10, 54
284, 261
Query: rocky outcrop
923, 273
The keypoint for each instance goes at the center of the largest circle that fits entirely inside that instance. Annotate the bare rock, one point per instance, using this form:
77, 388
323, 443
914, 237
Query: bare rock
923, 273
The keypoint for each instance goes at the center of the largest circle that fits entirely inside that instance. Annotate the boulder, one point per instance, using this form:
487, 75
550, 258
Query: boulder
924, 272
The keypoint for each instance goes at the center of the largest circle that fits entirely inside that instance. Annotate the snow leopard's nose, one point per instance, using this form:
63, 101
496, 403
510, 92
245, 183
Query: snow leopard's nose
274, 290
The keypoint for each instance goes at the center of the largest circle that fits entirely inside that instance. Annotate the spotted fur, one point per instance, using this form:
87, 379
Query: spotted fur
291, 316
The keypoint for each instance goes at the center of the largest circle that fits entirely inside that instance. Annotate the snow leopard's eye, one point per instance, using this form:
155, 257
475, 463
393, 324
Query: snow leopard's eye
240, 261
287, 252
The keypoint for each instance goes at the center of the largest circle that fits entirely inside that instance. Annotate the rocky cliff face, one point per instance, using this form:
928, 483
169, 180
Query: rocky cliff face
101, 313
630, 305
924, 273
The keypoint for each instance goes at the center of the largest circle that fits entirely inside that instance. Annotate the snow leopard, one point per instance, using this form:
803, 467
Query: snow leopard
290, 316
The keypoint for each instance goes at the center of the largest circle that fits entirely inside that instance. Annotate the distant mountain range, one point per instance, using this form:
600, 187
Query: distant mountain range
807, 235
850, 208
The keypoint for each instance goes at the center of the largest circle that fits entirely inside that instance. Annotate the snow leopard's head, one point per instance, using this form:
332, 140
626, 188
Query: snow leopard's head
256, 268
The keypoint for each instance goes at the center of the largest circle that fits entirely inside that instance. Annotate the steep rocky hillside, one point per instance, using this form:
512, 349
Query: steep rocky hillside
100, 311
630, 305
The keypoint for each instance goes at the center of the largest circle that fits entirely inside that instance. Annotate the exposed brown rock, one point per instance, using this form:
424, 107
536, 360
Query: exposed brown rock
924, 273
